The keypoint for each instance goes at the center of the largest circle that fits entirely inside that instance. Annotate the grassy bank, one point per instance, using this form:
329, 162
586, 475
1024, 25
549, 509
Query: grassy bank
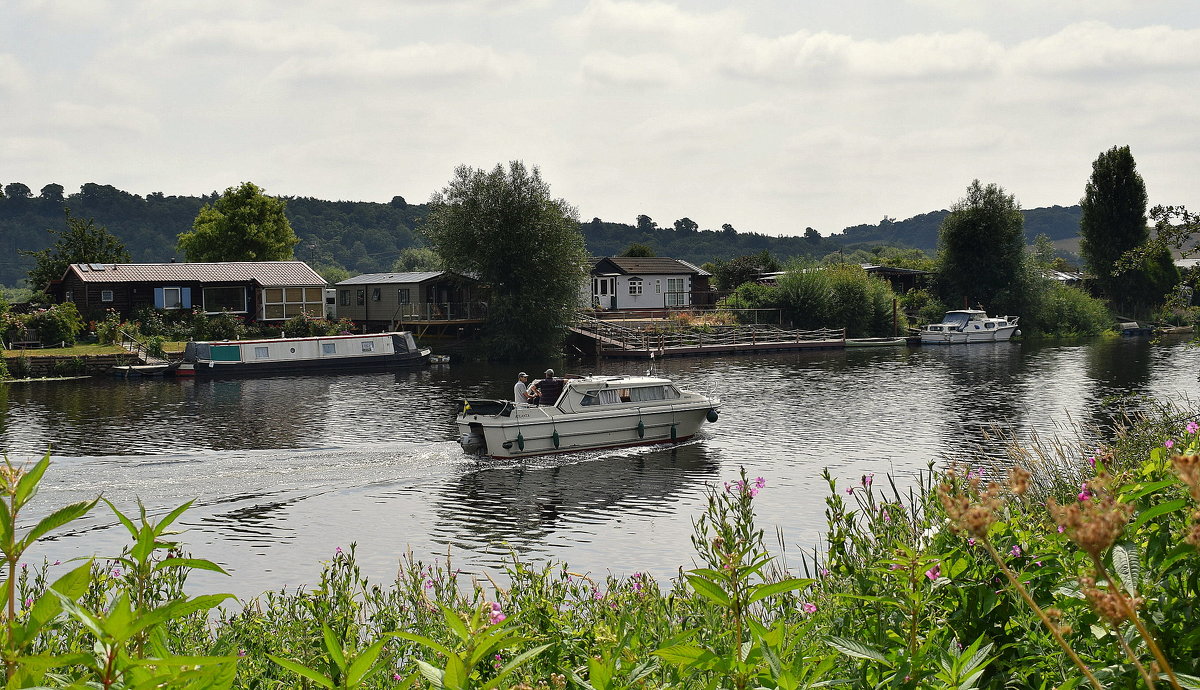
1077, 569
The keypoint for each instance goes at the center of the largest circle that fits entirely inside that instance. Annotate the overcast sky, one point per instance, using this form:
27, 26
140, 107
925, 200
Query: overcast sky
770, 115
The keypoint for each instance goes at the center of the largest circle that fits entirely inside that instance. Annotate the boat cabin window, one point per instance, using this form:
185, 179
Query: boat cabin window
956, 318
613, 396
368, 346
262, 352
935, 328
329, 348
643, 393
604, 396
989, 325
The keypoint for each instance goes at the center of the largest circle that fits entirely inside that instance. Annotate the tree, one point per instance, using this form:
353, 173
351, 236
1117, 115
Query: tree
417, 259
52, 193
83, 242
729, 275
17, 190
646, 224
504, 227
686, 226
1113, 217
242, 225
638, 249
981, 251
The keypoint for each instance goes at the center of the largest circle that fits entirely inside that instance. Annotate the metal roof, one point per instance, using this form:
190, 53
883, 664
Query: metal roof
388, 278
652, 264
265, 273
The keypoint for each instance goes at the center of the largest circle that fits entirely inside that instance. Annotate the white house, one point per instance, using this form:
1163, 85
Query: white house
620, 282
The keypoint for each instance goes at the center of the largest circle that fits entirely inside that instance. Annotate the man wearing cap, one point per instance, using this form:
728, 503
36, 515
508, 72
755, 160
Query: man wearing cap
520, 390
549, 388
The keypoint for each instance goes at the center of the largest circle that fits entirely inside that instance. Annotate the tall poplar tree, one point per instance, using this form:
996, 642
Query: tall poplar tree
504, 227
1115, 242
981, 252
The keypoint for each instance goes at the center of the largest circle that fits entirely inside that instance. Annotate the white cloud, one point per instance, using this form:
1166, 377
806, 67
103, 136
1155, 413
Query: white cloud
645, 70
108, 117
440, 64
13, 75
1099, 48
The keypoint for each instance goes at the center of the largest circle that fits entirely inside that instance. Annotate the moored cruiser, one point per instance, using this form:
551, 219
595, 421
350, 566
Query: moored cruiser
969, 326
591, 412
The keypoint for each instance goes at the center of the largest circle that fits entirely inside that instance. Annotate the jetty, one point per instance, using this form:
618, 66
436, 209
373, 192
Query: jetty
607, 338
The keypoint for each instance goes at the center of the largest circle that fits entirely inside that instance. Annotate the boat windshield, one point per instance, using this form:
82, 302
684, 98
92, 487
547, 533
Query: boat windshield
956, 318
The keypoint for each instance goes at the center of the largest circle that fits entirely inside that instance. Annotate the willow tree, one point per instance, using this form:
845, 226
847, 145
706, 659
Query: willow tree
505, 228
981, 252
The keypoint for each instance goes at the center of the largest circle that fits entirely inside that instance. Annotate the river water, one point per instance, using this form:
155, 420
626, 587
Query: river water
285, 470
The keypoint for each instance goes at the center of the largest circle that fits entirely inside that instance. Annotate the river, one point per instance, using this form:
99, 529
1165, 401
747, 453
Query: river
285, 470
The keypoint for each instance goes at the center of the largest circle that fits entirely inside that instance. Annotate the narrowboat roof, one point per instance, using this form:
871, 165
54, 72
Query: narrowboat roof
351, 336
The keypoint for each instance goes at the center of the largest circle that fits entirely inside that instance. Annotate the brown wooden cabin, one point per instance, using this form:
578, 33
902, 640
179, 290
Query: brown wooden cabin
398, 301
256, 290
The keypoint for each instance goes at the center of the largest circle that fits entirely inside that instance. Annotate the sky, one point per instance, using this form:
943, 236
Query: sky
768, 115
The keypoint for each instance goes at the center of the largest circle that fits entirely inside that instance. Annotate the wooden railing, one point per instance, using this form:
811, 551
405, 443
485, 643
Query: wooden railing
615, 337
441, 311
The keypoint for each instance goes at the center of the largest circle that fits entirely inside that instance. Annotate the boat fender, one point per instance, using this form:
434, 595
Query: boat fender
554, 437
641, 429
520, 441
712, 415
674, 432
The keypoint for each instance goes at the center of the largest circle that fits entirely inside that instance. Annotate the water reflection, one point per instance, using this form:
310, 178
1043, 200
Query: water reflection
524, 502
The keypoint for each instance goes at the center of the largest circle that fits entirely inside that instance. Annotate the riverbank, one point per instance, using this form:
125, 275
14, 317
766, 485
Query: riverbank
909, 591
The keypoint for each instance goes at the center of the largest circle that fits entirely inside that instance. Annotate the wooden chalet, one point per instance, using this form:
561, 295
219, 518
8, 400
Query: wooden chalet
257, 290
648, 283
423, 301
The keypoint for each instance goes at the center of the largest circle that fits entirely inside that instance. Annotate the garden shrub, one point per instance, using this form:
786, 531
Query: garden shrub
60, 323
4, 375
1064, 310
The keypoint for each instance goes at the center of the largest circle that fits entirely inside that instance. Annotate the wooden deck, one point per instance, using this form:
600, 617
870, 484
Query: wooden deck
613, 340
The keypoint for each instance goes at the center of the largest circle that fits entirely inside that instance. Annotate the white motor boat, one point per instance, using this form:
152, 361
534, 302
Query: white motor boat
591, 412
969, 326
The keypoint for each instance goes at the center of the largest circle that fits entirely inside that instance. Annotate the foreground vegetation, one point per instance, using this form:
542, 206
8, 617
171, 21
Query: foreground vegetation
964, 580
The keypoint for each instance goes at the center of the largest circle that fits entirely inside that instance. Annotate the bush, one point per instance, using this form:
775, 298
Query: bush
60, 323
4, 375
223, 326
1063, 310
836, 296
305, 326
108, 331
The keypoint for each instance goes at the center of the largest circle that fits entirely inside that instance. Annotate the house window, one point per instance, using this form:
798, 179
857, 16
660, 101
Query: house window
67, 296
172, 298
676, 297
360, 297
105, 296
221, 299
345, 298
404, 295
635, 286
376, 294
262, 352
658, 287
329, 348
284, 303
368, 346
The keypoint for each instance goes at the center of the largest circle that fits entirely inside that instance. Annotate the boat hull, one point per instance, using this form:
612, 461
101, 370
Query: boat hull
875, 342
536, 431
996, 335
228, 359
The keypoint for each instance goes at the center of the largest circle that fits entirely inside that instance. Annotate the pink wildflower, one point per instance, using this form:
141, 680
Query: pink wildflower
868, 478
808, 607
761, 483
1061, 529
1192, 427
1170, 443
934, 573
1092, 461
1015, 550
849, 489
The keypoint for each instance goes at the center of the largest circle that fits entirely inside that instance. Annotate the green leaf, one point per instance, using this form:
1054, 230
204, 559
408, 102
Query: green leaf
171, 517
302, 670
54, 520
1136, 491
709, 589
775, 588
600, 672
456, 674
512, 665
28, 483
1185, 681
685, 655
855, 649
71, 585
424, 641
456, 624
334, 647
362, 665
1128, 566
6, 527
1160, 509
133, 530
432, 673
193, 563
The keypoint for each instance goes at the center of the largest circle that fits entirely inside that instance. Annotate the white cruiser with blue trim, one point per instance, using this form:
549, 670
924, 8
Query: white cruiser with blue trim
591, 412
969, 326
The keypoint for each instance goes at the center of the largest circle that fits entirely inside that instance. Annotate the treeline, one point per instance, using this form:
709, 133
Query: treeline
368, 237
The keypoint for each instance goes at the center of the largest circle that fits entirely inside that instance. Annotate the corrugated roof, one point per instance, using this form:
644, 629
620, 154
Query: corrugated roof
652, 264
386, 278
266, 273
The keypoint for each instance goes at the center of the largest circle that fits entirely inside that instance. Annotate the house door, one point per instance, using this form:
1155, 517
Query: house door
604, 292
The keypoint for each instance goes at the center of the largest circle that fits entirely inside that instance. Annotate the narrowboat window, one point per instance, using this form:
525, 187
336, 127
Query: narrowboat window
329, 348
376, 294
368, 346
105, 296
262, 353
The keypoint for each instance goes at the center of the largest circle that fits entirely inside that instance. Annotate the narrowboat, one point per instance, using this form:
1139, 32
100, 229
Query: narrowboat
312, 354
